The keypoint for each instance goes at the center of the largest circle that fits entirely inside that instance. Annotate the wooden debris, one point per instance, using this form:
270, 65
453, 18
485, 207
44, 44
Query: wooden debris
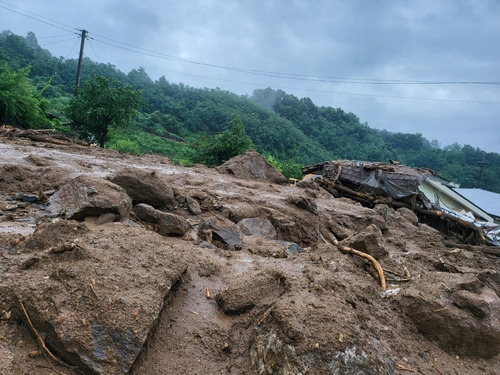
207, 293
93, 291
376, 265
42, 343
401, 367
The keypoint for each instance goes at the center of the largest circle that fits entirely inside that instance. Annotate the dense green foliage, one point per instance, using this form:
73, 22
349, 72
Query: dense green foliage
194, 125
102, 104
221, 147
20, 105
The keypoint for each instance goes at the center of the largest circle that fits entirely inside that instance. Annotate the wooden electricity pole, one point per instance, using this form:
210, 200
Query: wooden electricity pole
79, 69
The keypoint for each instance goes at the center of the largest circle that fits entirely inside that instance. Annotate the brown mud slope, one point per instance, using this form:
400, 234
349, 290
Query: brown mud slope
114, 264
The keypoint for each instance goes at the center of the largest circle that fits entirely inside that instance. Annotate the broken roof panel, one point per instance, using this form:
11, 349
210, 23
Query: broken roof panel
486, 200
396, 181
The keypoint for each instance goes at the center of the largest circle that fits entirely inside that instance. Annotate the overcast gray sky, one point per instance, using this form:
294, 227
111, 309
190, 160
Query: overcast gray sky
396, 64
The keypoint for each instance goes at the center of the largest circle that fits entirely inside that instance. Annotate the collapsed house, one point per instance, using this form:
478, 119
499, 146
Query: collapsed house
422, 190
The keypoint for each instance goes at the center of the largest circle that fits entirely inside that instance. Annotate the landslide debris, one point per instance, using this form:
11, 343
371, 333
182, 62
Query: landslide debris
251, 280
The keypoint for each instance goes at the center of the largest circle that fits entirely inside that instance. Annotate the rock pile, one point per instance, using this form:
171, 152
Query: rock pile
161, 269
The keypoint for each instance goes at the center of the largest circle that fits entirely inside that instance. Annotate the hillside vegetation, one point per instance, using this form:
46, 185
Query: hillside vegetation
191, 125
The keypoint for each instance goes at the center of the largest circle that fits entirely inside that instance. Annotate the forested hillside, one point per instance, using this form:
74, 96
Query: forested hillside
192, 124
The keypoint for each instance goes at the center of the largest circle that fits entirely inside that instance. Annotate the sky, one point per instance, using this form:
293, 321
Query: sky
422, 66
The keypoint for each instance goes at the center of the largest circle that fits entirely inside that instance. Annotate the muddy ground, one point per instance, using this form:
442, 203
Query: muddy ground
224, 274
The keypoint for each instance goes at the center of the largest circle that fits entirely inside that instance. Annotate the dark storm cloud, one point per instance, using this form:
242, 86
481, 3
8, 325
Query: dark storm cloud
425, 40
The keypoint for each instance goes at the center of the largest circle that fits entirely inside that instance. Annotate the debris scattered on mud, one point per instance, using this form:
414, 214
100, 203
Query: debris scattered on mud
194, 270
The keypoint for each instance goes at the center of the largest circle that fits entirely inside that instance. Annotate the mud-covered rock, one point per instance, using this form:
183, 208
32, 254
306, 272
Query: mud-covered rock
167, 224
243, 295
269, 355
171, 225
89, 196
146, 212
223, 234
94, 302
462, 321
193, 206
370, 240
144, 187
257, 227
252, 165
304, 203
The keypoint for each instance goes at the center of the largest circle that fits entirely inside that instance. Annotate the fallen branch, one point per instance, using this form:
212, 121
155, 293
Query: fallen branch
93, 291
376, 265
401, 367
266, 314
42, 343
350, 250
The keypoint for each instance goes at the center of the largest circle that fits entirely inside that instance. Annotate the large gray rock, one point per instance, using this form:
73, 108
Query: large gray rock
257, 227
144, 187
223, 234
89, 196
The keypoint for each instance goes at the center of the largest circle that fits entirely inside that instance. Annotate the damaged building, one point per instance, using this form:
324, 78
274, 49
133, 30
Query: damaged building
436, 200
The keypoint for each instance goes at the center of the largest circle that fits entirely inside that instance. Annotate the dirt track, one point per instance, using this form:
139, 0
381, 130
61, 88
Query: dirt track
270, 307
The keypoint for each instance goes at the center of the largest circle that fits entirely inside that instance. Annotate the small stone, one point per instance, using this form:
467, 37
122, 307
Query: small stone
29, 198
108, 217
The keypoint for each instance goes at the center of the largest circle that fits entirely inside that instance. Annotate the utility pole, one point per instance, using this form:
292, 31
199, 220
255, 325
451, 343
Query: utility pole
480, 172
79, 69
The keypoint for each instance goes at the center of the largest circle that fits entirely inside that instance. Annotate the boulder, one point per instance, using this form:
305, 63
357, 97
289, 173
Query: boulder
171, 225
257, 227
223, 234
193, 206
144, 187
89, 196
145, 212
167, 224
370, 241
304, 204
252, 165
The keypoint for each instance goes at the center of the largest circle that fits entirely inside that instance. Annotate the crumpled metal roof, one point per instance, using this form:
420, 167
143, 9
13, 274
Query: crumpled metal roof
396, 181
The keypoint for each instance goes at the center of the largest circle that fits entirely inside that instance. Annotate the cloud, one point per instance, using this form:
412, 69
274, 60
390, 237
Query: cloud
421, 40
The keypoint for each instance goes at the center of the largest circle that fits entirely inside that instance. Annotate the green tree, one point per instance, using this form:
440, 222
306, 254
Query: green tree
20, 105
101, 105
223, 146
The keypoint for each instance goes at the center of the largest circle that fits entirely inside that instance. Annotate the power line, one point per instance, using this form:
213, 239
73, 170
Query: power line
36, 19
293, 76
281, 75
